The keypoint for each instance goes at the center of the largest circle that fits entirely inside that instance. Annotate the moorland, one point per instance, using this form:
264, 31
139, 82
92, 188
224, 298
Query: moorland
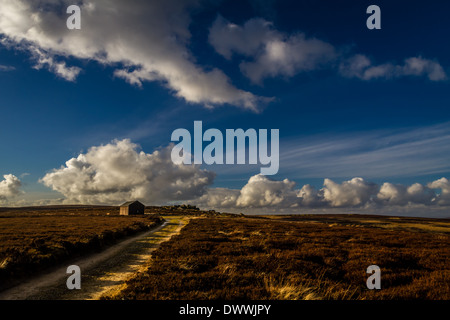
309, 257
235, 256
35, 239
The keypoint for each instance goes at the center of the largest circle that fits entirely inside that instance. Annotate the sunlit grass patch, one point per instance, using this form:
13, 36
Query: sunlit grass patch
222, 258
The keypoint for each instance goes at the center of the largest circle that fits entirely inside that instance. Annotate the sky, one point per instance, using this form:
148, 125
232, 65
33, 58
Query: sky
363, 114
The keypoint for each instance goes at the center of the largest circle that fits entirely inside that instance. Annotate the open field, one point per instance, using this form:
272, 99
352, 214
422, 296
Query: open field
299, 257
34, 239
225, 256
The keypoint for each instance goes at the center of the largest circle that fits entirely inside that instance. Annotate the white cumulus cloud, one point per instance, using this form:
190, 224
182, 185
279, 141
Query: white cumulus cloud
9, 187
274, 53
271, 53
355, 192
260, 191
397, 194
444, 185
118, 171
310, 196
143, 40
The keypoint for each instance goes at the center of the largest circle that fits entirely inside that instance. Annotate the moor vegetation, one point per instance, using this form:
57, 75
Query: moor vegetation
34, 240
310, 258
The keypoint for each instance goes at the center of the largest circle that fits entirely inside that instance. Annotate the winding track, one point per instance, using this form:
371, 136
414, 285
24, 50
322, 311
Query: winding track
101, 274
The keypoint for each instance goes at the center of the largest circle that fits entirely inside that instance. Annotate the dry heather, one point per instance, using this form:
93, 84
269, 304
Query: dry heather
30, 243
222, 258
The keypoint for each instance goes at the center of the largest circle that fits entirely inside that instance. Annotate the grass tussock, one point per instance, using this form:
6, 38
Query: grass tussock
259, 259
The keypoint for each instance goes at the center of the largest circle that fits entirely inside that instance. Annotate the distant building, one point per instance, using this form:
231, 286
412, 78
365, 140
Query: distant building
131, 207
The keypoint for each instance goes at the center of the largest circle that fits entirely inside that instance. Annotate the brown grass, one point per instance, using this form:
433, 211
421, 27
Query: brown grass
257, 259
32, 241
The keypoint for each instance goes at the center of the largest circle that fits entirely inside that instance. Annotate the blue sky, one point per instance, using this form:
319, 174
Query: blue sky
384, 119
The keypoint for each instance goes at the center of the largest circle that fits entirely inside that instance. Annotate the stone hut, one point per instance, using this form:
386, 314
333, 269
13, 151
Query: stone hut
131, 207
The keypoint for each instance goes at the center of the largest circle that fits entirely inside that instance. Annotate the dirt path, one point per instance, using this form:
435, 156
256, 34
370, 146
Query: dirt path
102, 273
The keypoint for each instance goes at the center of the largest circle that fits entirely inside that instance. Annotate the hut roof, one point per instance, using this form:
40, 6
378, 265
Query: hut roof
128, 203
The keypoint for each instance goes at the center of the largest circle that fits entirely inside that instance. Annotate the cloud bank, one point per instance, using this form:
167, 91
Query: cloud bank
264, 193
141, 40
119, 171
